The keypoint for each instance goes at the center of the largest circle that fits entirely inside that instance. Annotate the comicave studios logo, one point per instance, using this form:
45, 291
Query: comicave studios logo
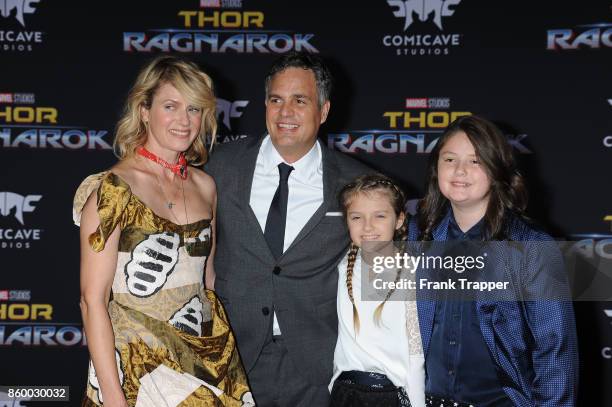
15, 205
226, 112
412, 43
20, 40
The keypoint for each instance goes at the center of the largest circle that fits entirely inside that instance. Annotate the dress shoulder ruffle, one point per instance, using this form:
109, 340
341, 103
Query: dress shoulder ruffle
113, 195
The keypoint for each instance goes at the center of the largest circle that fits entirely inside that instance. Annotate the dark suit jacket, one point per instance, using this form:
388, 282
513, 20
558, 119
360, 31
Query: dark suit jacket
303, 290
532, 342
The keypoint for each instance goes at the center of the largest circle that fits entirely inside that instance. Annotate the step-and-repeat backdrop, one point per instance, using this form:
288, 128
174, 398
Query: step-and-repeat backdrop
403, 71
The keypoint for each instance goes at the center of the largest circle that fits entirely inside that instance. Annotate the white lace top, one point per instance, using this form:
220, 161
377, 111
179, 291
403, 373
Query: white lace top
392, 347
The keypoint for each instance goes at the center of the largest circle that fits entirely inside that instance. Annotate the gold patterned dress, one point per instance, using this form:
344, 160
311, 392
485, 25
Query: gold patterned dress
173, 344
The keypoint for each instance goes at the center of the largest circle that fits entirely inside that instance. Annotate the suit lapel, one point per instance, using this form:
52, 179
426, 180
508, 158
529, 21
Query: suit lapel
247, 165
330, 184
427, 308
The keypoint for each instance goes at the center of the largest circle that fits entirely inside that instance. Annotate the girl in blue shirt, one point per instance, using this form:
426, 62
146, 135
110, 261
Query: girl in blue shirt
492, 352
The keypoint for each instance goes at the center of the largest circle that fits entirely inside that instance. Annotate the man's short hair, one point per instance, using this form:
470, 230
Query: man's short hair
305, 61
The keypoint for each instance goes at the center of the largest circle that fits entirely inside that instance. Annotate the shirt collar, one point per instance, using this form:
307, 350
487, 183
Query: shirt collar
455, 232
304, 168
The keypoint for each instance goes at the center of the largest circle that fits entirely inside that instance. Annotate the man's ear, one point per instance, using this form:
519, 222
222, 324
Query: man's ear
325, 111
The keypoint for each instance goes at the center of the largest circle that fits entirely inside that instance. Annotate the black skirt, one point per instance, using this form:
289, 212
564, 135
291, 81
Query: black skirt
434, 401
366, 389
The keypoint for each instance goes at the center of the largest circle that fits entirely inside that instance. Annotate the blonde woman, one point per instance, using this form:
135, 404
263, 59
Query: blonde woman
156, 335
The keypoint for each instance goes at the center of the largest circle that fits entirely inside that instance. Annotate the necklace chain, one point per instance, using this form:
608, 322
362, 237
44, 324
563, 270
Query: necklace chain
169, 203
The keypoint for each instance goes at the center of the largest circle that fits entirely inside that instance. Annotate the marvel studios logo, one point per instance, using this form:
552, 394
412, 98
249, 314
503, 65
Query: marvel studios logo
427, 103
220, 3
15, 295
23, 98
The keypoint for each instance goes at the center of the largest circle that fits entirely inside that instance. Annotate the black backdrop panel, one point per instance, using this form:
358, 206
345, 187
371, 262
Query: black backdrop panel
541, 70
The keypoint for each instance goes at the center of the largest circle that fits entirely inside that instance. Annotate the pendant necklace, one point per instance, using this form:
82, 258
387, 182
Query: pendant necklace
170, 204
180, 169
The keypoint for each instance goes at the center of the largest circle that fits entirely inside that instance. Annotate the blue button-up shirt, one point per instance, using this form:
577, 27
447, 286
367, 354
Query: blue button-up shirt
459, 365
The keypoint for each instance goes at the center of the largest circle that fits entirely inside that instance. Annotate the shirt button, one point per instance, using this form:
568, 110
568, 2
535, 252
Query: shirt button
276, 270
265, 310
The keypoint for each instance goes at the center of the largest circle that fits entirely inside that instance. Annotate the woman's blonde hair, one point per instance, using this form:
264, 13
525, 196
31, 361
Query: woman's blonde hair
191, 82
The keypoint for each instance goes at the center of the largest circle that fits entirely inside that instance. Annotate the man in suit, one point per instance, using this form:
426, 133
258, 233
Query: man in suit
280, 236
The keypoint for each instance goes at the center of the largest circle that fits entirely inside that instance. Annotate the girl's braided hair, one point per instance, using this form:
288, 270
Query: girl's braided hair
366, 184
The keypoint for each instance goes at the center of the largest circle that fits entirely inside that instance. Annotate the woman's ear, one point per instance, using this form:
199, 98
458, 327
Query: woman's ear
144, 114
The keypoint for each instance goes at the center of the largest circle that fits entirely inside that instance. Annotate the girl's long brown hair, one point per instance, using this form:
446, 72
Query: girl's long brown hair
508, 194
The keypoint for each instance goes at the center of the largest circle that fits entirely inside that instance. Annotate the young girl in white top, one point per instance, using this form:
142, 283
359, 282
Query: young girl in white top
378, 360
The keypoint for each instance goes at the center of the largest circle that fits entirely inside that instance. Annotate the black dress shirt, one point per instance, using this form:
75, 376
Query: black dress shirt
459, 365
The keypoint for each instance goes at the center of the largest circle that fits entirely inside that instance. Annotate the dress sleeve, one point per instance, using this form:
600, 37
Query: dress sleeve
113, 196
